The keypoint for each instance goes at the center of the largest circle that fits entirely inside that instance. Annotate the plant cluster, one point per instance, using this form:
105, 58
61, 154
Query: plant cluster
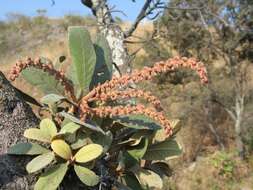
97, 123
225, 164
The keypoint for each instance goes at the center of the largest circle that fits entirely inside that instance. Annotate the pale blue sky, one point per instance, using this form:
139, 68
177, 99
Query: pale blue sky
62, 7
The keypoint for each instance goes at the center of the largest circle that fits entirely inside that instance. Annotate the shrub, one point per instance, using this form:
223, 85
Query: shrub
19, 21
225, 164
108, 142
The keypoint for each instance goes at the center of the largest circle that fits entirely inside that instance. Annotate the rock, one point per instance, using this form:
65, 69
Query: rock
15, 116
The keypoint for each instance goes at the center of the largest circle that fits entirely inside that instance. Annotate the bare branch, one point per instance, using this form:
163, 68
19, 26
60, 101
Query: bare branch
180, 8
230, 112
146, 10
141, 16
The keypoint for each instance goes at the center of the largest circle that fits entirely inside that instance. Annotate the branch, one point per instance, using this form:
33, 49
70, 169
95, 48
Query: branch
145, 11
230, 113
181, 8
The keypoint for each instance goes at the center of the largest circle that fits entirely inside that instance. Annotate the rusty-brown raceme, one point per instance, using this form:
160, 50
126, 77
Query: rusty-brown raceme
117, 89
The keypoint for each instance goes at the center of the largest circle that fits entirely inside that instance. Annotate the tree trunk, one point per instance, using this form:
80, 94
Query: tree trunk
239, 107
238, 122
112, 32
15, 116
238, 138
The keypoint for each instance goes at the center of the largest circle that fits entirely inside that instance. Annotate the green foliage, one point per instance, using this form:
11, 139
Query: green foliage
164, 150
52, 178
42, 80
137, 122
224, 163
148, 178
27, 149
70, 128
87, 176
37, 134
103, 69
52, 99
78, 121
131, 181
139, 150
88, 153
40, 162
48, 127
62, 149
83, 56
96, 148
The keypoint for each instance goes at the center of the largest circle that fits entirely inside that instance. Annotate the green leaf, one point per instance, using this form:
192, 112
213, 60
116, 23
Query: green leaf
78, 121
138, 151
137, 122
52, 99
88, 153
131, 181
122, 186
87, 176
61, 148
70, 128
149, 178
27, 149
136, 138
48, 127
161, 168
80, 142
103, 68
42, 80
71, 73
37, 134
52, 178
104, 140
163, 150
40, 162
83, 56
126, 160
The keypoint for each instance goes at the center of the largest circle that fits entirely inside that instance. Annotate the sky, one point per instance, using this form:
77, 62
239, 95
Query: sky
63, 7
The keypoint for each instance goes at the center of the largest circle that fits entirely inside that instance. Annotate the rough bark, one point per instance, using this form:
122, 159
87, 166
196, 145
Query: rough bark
15, 116
112, 32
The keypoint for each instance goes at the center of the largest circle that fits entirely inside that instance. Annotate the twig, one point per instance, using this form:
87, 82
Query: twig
145, 11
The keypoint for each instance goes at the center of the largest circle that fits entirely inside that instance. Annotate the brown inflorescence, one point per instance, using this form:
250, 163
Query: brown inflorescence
138, 109
148, 73
112, 90
128, 94
106, 91
59, 75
